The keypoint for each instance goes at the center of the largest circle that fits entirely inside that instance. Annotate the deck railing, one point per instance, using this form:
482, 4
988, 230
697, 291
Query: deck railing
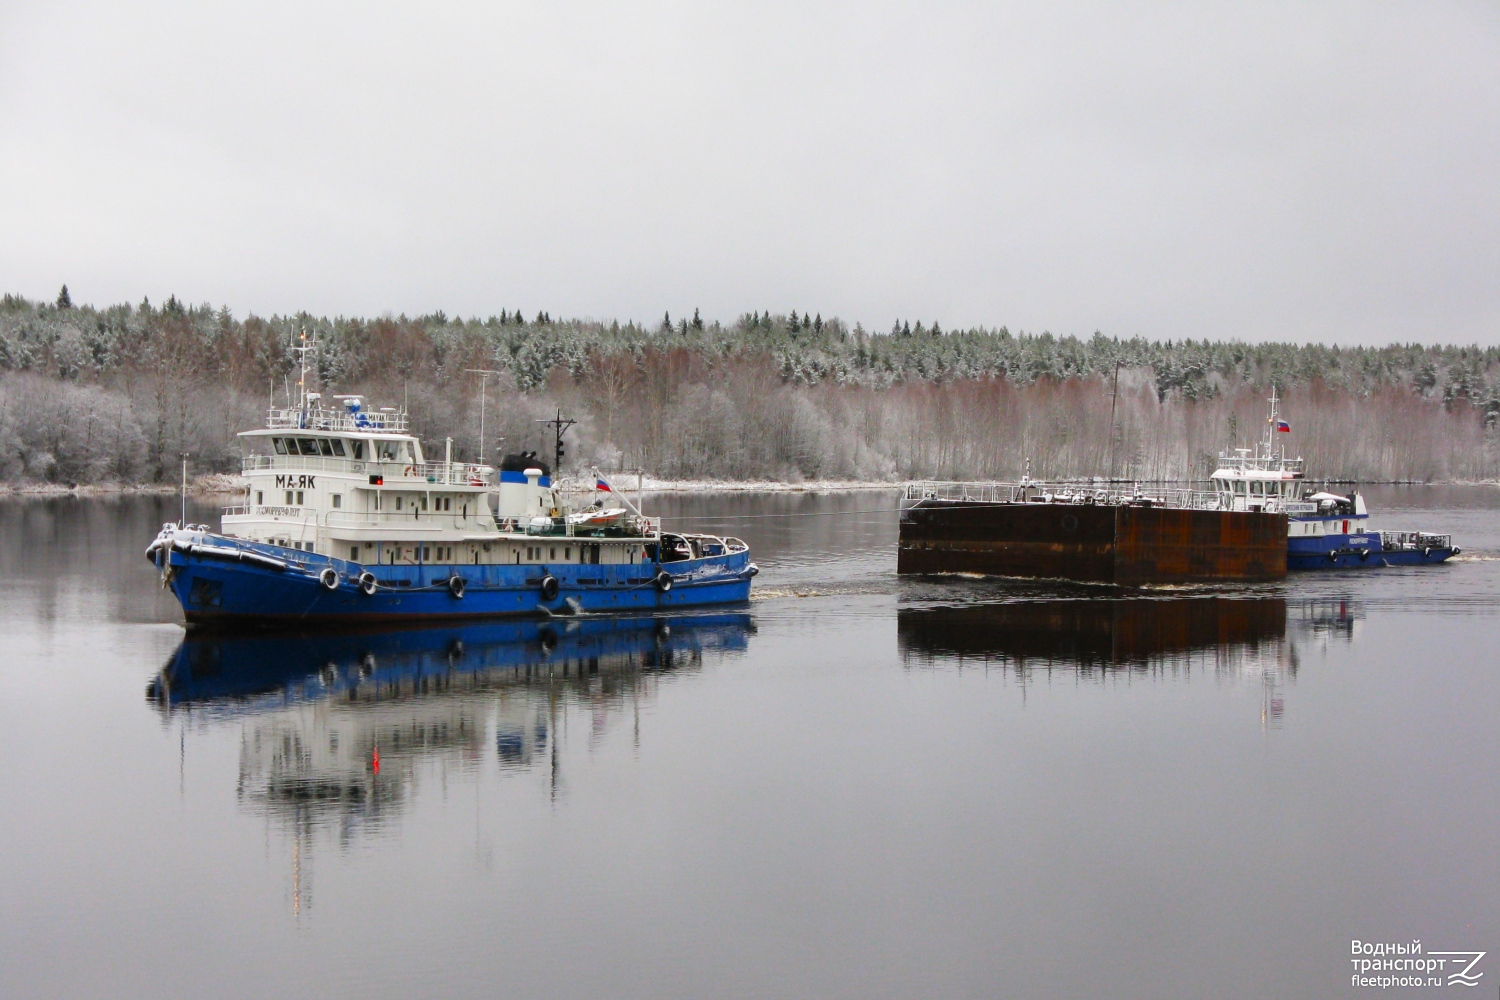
1079, 493
1262, 463
301, 515
311, 463
444, 473
427, 520
328, 419
1413, 540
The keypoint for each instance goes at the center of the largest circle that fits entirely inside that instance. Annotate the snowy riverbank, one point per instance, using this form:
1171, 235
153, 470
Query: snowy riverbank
227, 484
210, 484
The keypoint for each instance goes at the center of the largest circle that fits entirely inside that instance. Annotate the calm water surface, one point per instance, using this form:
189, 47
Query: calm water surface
855, 786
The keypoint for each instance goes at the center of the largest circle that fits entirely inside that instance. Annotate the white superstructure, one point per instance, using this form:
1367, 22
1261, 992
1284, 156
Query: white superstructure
1262, 478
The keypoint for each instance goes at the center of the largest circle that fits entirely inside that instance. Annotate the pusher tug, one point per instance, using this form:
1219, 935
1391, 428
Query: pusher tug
1324, 530
347, 522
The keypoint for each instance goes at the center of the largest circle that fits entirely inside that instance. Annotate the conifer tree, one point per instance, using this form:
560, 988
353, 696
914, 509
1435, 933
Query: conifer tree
64, 300
697, 320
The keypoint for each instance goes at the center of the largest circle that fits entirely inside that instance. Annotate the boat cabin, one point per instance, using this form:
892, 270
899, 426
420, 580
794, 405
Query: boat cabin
1247, 481
354, 484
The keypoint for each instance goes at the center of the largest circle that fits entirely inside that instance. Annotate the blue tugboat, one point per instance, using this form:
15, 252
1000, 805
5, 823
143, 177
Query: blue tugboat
346, 521
1324, 530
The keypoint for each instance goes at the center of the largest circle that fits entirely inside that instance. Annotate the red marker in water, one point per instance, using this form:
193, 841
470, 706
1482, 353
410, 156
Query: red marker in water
375, 759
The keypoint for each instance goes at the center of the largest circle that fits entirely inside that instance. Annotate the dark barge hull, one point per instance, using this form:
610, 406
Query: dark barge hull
1103, 543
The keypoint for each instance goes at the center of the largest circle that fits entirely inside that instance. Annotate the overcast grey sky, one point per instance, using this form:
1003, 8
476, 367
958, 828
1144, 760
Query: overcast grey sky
1303, 171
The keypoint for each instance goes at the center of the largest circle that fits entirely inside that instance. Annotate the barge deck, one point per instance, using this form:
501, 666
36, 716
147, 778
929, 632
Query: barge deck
1095, 535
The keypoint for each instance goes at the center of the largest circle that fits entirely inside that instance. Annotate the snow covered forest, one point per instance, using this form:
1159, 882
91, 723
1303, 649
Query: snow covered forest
117, 394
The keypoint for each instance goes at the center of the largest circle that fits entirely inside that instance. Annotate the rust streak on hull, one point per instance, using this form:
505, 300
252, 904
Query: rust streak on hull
1092, 543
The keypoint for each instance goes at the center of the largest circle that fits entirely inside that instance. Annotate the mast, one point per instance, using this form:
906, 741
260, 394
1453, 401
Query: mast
1271, 425
484, 378
302, 348
1114, 396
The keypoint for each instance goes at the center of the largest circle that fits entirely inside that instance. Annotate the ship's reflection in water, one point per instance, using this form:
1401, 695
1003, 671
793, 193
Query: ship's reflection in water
1234, 639
337, 728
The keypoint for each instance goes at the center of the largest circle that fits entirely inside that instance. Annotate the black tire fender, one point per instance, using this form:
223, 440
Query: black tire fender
456, 586
550, 587
329, 578
367, 583
663, 581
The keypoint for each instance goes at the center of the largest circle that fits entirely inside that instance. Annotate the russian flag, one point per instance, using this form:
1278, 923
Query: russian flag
1282, 427
600, 484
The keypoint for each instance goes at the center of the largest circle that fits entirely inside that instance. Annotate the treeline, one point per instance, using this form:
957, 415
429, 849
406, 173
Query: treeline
118, 394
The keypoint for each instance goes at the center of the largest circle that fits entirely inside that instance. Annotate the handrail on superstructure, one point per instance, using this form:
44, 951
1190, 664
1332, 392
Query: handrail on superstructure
427, 519
439, 473
1260, 463
322, 418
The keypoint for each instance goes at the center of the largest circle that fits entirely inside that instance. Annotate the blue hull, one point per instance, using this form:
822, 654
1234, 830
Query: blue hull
215, 588
1336, 552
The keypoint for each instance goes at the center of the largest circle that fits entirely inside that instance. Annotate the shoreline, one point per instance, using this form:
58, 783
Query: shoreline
226, 484
209, 484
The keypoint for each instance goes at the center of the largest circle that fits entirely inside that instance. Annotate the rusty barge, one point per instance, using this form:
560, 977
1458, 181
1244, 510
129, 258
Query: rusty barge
1089, 533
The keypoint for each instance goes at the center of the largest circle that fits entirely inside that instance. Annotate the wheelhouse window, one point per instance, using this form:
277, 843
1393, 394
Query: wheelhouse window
280, 444
358, 447
326, 447
307, 446
338, 447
